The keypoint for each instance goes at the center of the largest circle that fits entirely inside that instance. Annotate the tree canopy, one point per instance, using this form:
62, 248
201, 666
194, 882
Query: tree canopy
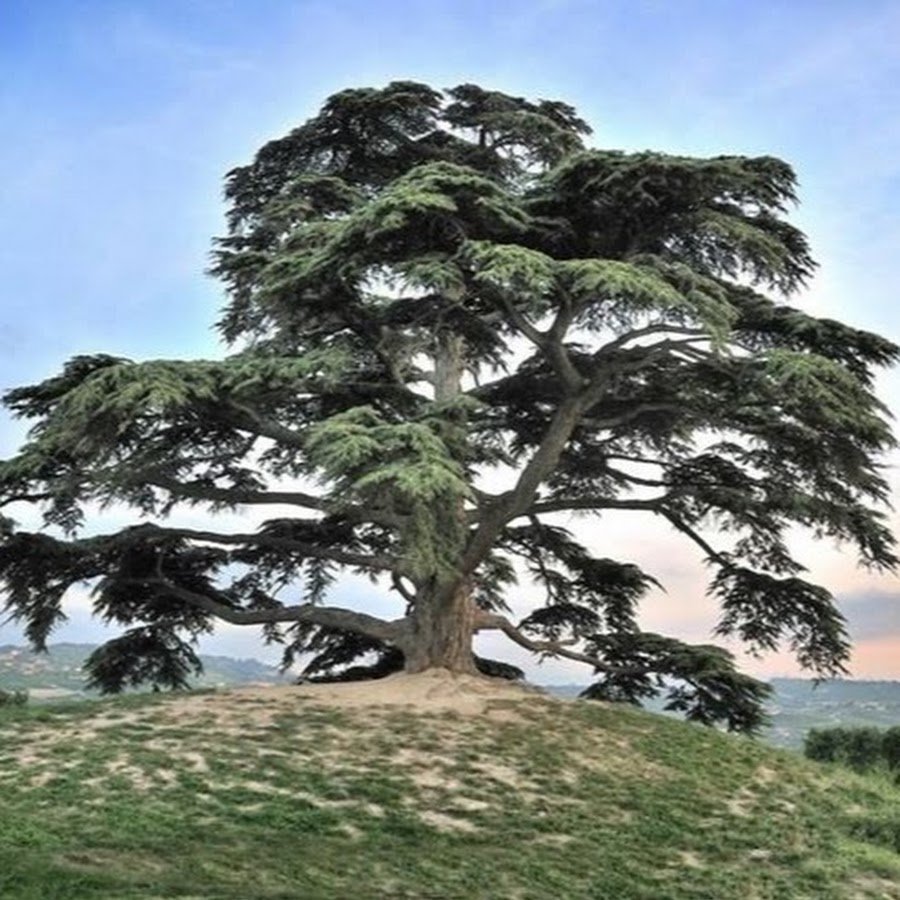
430, 294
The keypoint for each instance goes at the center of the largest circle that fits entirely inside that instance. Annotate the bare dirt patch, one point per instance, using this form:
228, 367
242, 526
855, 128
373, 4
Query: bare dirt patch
435, 691
98, 860
874, 888
554, 840
740, 806
443, 822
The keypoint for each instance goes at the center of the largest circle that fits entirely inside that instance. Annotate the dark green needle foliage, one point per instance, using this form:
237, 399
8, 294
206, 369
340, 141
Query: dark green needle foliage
431, 294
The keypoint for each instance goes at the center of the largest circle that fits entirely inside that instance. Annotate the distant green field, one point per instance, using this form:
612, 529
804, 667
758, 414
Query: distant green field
264, 796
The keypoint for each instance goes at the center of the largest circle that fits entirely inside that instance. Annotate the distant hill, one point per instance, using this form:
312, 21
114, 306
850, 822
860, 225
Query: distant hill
799, 704
58, 673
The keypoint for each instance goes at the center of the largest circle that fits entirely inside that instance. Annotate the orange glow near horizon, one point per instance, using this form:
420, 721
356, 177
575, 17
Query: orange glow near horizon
874, 659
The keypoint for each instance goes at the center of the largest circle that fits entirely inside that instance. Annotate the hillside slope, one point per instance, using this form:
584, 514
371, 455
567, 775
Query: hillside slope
476, 790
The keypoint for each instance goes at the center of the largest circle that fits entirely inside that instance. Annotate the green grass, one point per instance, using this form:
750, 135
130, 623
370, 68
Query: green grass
146, 797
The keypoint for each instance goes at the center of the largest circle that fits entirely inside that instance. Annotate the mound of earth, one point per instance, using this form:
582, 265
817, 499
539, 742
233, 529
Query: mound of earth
436, 690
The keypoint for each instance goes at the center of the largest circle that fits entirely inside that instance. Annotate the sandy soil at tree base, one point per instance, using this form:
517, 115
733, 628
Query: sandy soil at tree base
436, 690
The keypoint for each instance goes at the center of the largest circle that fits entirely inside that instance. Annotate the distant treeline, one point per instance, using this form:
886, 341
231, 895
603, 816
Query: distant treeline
862, 749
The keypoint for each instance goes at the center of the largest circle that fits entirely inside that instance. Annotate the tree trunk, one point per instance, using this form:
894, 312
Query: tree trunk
442, 623
443, 616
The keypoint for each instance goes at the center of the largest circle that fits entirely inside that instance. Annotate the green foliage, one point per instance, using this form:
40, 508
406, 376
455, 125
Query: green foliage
385, 263
405, 468
761, 609
13, 698
862, 749
698, 681
152, 656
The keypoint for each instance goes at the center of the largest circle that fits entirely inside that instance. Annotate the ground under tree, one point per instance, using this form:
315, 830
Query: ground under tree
430, 294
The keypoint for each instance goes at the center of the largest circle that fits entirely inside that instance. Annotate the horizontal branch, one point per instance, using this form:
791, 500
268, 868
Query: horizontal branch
326, 616
24, 498
561, 504
692, 335
307, 550
641, 460
636, 479
604, 424
634, 359
659, 328
198, 490
242, 417
492, 621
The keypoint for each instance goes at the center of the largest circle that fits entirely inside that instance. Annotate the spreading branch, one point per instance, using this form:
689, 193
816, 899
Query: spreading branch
495, 622
711, 553
326, 616
303, 549
562, 504
198, 490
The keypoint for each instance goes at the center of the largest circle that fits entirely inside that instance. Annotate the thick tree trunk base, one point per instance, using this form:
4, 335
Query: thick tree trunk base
442, 629
427, 662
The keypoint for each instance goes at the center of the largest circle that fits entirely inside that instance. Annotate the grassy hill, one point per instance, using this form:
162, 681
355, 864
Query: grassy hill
281, 793
796, 704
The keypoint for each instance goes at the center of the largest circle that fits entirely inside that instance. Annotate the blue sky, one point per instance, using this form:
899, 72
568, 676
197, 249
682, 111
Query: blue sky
120, 119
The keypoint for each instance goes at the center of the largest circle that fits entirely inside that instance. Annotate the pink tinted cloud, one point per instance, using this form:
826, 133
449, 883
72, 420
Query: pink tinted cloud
877, 658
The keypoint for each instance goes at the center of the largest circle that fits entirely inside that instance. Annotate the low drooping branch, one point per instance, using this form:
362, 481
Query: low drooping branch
493, 622
326, 616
